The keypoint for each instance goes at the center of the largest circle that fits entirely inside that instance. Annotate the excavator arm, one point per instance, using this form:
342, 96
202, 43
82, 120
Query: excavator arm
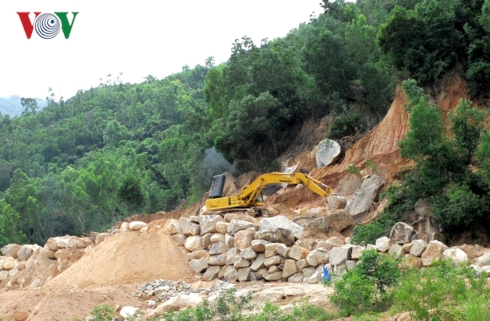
250, 194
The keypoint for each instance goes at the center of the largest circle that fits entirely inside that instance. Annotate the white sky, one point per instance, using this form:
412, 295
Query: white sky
137, 38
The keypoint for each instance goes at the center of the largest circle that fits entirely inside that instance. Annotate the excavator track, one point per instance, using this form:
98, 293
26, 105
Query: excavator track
252, 211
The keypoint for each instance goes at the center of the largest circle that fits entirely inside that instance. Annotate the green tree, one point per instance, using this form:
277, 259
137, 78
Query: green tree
10, 231
324, 58
435, 37
443, 174
29, 105
369, 283
114, 133
17, 197
131, 192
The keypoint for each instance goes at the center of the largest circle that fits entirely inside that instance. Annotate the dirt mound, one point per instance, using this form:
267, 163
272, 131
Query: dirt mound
124, 258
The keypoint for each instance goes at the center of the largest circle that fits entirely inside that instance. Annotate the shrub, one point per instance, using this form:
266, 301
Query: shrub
349, 123
353, 170
230, 307
435, 292
103, 312
368, 284
370, 232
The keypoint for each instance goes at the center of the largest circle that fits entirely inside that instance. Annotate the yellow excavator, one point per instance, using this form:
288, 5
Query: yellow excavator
251, 195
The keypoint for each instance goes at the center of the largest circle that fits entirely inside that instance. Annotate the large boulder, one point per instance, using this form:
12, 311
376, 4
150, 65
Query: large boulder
188, 227
349, 185
236, 225
243, 274
259, 245
241, 263
335, 221
98, 239
328, 152
193, 243
412, 261
283, 250
6, 249
240, 216
336, 202
197, 255
231, 274
222, 227
248, 254
483, 260
137, 225
52, 244
272, 276
271, 249
173, 227
179, 239
243, 239
339, 255
290, 268
317, 257
357, 251
383, 244
217, 237
402, 233
219, 259
129, 312
13, 250
217, 248
273, 260
208, 223
24, 253
396, 251
9, 265
433, 252
174, 304
365, 196
457, 255
330, 243
277, 235
282, 222
232, 255
418, 247
211, 273
258, 263
298, 253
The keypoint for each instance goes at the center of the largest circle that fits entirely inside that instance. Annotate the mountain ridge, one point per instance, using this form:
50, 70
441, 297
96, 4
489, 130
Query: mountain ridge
13, 107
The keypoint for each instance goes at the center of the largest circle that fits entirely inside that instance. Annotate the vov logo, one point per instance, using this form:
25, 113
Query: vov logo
47, 25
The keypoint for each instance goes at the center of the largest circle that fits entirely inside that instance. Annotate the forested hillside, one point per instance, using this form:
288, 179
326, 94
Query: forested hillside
83, 163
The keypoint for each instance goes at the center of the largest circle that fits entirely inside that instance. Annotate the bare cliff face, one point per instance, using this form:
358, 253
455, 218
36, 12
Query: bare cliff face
380, 144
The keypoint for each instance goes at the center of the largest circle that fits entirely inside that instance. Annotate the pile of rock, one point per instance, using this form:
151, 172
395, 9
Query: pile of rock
404, 241
32, 265
14, 257
163, 290
55, 246
238, 248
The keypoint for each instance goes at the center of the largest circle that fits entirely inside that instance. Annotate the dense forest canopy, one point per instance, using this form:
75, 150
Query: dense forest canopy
84, 163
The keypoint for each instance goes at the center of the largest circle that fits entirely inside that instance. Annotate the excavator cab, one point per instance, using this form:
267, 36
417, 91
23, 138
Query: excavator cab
217, 186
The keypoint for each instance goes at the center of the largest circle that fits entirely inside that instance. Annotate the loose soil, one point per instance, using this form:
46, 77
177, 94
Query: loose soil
127, 258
